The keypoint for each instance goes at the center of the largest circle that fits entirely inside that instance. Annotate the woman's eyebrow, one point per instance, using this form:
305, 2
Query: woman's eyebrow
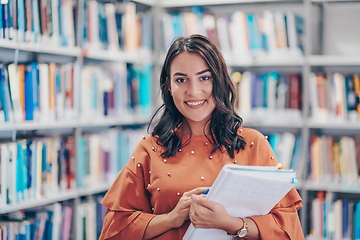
179, 74
203, 71
198, 73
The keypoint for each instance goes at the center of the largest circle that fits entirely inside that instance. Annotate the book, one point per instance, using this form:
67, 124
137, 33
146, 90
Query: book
245, 191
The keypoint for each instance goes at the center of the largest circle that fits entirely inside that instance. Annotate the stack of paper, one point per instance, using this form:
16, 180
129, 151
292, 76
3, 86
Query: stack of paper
245, 191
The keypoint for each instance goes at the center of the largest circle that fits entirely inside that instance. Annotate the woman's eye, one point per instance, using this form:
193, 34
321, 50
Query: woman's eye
181, 80
205, 78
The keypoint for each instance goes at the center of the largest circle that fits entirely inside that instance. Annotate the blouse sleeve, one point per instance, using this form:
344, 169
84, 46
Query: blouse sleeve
127, 201
283, 221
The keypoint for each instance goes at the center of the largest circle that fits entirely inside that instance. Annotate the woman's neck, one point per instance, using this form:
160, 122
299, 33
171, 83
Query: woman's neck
196, 129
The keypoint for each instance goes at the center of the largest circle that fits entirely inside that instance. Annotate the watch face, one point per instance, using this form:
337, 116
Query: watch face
243, 232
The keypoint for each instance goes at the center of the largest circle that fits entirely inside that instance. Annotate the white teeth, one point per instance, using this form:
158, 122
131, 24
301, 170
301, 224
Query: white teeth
195, 103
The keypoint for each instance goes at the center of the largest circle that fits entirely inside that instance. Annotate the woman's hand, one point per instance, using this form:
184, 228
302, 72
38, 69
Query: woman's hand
181, 211
207, 214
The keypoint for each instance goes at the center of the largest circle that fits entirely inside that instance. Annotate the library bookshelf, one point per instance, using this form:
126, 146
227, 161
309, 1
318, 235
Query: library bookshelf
299, 60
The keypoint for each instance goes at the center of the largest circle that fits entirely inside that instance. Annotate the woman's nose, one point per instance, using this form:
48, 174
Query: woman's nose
194, 88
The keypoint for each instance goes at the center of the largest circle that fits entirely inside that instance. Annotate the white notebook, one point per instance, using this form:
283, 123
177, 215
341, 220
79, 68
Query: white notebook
245, 191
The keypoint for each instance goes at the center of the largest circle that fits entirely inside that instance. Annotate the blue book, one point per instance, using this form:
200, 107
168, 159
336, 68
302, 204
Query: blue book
178, 27
145, 89
32, 169
94, 91
146, 41
106, 103
103, 34
21, 20
325, 222
259, 91
29, 102
10, 18
297, 153
18, 170
48, 226
265, 78
5, 21
4, 94
80, 161
356, 224
35, 85
1, 22
345, 220
274, 140
254, 32
36, 20
132, 87
119, 27
21, 171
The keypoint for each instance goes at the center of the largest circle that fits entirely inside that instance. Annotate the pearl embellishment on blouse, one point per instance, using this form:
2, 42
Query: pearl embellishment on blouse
180, 150
164, 160
210, 157
158, 189
168, 173
206, 144
192, 152
178, 194
202, 178
153, 148
138, 165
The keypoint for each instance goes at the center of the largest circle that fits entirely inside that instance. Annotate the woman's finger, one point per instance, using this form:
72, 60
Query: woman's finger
195, 191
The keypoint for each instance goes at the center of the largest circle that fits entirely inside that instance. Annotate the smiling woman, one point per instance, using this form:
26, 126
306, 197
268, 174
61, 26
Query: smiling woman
196, 135
191, 87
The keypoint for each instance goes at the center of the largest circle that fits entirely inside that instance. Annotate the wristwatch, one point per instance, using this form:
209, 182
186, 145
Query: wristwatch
242, 232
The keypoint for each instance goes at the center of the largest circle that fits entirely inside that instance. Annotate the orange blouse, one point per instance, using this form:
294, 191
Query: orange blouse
150, 185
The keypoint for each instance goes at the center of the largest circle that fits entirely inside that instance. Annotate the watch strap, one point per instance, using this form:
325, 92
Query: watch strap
242, 231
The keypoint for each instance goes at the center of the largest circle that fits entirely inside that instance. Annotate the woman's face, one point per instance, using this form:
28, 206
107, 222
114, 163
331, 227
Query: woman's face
191, 85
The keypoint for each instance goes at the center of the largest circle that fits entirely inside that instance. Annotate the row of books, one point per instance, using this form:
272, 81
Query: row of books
39, 168
287, 147
335, 97
42, 92
57, 221
334, 219
259, 94
116, 27
241, 35
116, 90
334, 159
101, 156
36, 168
89, 218
35, 21
37, 92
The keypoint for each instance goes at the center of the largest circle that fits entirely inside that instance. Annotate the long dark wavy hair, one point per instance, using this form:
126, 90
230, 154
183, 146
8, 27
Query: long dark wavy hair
224, 122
